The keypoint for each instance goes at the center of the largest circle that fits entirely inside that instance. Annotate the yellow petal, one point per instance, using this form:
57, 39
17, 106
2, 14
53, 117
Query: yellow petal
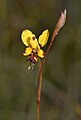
41, 53
34, 43
26, 36
27, 51
43, 38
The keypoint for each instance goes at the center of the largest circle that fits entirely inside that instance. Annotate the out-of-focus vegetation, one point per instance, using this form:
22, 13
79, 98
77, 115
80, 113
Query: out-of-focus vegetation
61, 96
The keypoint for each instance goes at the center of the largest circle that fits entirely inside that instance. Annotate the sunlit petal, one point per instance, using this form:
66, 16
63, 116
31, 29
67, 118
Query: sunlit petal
34, 43
27, 51
41, 53
26, 36
43, 38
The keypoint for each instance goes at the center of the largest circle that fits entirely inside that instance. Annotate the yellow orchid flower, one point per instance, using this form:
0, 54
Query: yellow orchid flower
33, 50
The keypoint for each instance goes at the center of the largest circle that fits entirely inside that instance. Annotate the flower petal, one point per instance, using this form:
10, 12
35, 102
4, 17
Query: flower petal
43, 38
41, 53
34, 43
27, 51
26, 36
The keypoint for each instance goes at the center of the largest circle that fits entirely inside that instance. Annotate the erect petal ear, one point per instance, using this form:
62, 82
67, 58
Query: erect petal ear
26, 36
43, 38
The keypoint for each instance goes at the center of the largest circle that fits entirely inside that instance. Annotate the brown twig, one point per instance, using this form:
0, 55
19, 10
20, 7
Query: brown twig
39, 90
59, 25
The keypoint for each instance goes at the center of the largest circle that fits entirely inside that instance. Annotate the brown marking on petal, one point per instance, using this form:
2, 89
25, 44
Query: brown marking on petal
43, 53
33, 38
40, 45
31, 59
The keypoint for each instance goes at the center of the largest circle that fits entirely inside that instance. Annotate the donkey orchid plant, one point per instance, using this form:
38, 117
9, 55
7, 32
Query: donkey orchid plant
34, 51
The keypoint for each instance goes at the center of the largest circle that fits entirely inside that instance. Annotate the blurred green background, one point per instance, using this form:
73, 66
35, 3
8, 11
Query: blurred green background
61, 90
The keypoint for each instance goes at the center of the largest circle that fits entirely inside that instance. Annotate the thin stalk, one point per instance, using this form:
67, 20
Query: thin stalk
39, 91
59, 25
